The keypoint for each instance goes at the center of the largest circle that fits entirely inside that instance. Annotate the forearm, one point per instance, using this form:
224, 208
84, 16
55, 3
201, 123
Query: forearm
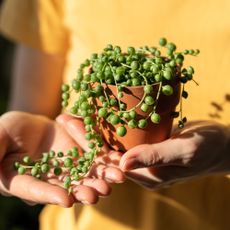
37, 77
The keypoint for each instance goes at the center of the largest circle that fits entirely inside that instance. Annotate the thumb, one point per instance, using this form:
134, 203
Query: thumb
76, 129
168, 152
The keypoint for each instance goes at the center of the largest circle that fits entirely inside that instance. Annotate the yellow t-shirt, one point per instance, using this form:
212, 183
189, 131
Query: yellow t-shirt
79, 28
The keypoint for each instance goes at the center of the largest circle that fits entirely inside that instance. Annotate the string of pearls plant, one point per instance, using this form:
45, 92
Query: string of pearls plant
145, 66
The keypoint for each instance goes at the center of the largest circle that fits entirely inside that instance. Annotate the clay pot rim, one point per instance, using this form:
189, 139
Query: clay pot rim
174, 81
124, 86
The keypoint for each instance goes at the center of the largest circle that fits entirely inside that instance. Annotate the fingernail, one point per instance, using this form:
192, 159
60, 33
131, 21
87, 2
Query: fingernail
120, 182
130, 164
85, 202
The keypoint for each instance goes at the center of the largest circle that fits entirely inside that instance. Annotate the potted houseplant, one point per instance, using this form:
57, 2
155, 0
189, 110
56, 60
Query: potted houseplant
125, 98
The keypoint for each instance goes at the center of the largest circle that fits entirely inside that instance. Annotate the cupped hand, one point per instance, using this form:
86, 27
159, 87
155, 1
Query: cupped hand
26, 134
106, 164
200, 149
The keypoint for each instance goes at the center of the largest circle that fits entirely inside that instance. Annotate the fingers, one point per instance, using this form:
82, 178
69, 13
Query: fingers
75, 128
159, 177
33, 190
87, 191
105, 171
144, 178
174, 151
110, 174
63, 118
171, 174
106, 165
112, 158
30, 203
139, 156
100, 186
85, 194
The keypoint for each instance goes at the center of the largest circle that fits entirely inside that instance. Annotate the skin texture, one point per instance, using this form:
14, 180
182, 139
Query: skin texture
39, 76
202, 148
23, 133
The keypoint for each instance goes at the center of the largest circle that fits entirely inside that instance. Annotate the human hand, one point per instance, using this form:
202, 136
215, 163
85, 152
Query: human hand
106, 163
201, 148
23, 133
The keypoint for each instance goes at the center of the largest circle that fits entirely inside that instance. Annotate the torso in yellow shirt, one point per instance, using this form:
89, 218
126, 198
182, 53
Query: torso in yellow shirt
197, 204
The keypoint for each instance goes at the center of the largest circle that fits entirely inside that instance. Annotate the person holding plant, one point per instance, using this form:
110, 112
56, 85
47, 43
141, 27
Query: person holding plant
61, 35
22, 132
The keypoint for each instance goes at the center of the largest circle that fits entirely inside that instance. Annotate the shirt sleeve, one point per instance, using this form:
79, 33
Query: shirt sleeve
36, 23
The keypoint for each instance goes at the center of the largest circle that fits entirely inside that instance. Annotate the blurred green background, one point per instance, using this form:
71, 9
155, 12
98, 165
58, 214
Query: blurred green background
14, 214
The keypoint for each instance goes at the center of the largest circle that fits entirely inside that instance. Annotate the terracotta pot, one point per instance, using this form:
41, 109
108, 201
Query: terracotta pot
153, 133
